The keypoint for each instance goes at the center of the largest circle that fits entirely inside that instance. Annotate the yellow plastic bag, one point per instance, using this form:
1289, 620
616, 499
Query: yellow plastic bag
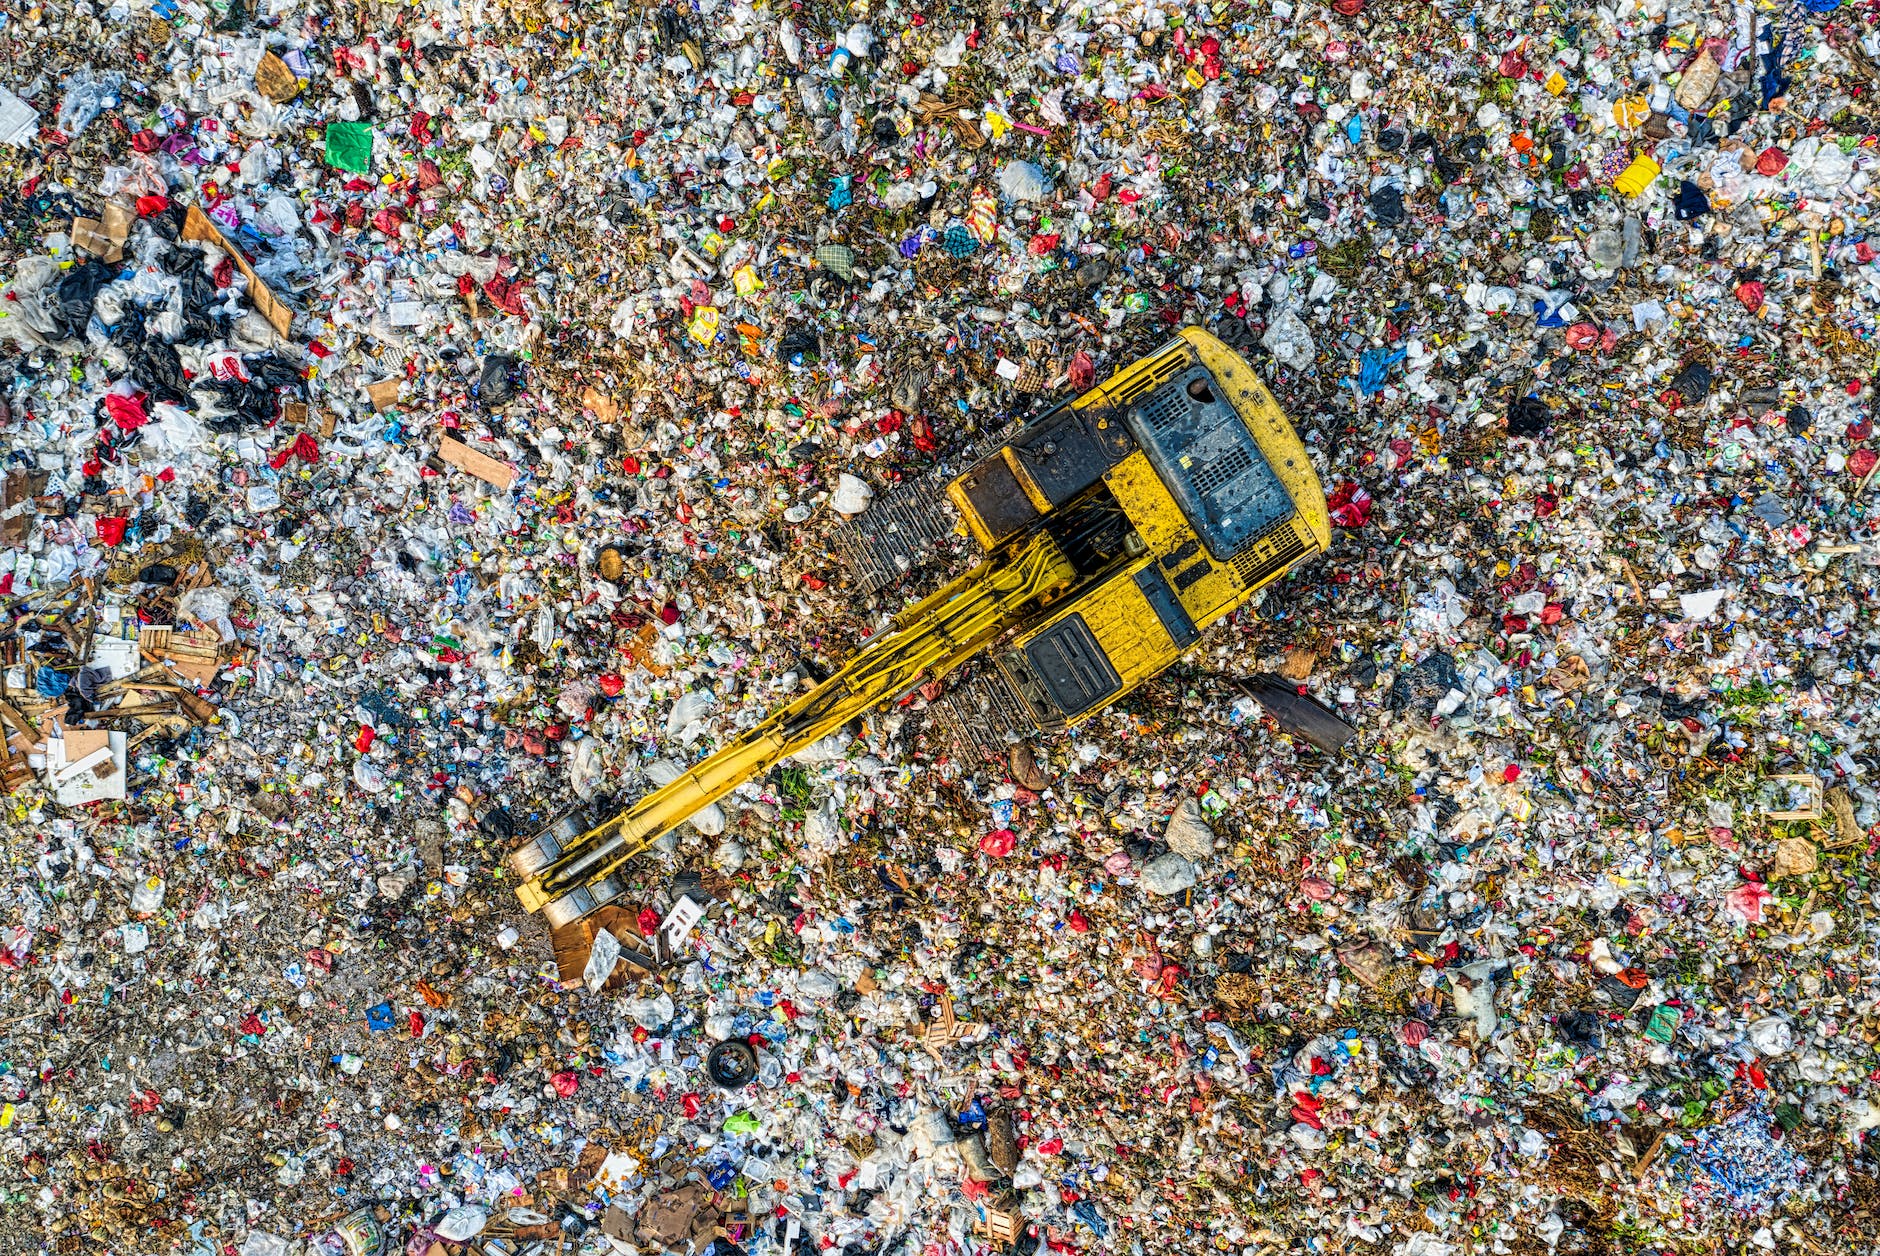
1631, 111
704, 328
1636, 177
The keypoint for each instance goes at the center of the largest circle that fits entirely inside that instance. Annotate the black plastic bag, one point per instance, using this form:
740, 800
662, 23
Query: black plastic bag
1692, 384
77, 291
1387, 204
167, 222
254, 404
270, 372
160, 371
498, 384
1529, 416
1691, 202
1419, 688
128, 333
202, 320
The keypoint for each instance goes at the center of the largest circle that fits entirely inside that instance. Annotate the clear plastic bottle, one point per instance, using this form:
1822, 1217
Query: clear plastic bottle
1632, 238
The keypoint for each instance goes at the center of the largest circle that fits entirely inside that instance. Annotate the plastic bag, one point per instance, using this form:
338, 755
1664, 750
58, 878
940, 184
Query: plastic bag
1289, 340
497, 385
77, 292
86, 96
158, 368
1387, 205
24, 314
1022, 181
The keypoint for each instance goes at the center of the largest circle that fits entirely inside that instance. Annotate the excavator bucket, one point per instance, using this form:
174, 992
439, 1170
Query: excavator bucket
1299, 713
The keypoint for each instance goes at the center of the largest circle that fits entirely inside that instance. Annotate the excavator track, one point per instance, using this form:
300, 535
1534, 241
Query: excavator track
980, 714
909, 527
899, 534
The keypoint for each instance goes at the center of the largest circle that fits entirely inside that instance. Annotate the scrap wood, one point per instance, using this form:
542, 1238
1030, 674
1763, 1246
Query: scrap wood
192, 655
573, 943
156, 679
481, 465
997, 1226
947, 1030
11, 714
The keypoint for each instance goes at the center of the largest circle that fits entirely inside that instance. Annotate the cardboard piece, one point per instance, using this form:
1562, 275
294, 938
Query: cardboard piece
104, 237
20, 488
197, 226
481, 465
86, 765
384, 393
300, 414
617, 1223
670, 1219
274, 80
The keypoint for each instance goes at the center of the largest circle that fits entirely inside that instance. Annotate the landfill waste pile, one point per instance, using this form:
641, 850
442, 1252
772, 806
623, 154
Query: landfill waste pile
419, 418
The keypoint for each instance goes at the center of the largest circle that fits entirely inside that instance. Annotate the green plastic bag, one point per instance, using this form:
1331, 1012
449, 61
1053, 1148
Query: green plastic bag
349, 146
743, 1123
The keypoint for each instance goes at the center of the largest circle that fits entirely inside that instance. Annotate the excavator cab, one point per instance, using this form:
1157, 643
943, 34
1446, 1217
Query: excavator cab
1111, 531
1178, 489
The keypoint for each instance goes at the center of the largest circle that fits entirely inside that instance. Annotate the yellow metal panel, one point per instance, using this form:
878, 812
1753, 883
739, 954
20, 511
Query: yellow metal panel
1139, 378
1022, 474
975, 527
1153, 511
1127, 628
1164, 529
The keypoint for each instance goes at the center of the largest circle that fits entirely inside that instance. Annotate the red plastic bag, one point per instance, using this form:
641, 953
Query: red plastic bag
999, 843
126, 412
1350, 506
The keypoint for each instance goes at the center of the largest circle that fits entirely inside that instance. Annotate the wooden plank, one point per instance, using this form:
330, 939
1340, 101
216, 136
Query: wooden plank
481, 465
11, 714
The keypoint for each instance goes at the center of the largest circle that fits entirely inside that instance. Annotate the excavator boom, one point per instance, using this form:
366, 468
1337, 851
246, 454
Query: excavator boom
566, 873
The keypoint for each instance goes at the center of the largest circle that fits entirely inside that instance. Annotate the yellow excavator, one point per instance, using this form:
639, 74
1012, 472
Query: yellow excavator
1113, 530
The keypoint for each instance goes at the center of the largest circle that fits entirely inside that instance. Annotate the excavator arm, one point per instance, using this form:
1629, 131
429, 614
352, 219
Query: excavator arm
565, 873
